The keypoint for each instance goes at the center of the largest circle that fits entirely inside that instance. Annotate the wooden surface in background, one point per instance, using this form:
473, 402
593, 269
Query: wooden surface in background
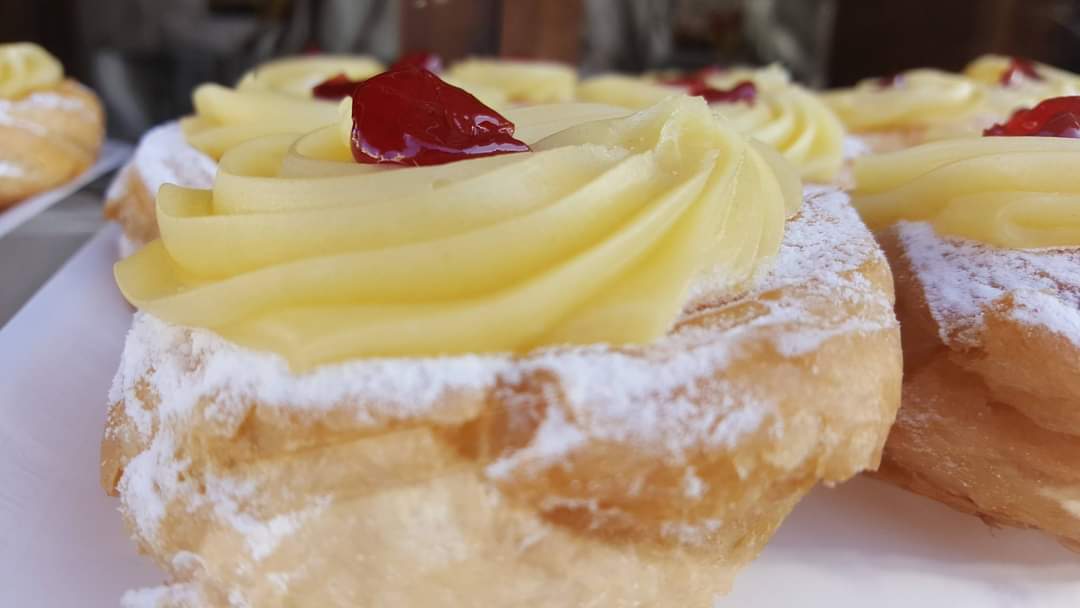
452, 28
542, 29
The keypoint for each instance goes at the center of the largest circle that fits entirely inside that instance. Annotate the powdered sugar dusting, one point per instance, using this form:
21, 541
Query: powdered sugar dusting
163, 156
160, 597
668, 398
1041, 309
854, 147
962, 277
10, 169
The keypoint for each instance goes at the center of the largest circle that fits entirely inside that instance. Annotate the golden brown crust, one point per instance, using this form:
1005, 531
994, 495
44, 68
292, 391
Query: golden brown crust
649, 484
989, 425
133, 207
48, 137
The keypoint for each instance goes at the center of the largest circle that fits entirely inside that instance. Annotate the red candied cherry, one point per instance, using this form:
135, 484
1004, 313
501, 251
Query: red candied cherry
744, 91
890, 81
696, 85
1018, 70
1055, 117
410, 116
336, 87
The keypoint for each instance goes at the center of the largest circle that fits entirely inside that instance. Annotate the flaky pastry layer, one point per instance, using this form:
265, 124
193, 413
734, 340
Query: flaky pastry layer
990, 422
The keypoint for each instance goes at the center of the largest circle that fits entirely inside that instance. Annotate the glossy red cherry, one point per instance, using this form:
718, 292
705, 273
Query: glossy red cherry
696, 85
890, 81
410, 116
1018, 70
745, 92
694, 79
1055, 117
336, 87
431, 62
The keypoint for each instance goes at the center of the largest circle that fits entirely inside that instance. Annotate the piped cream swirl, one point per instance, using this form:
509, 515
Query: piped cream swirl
26, 67
919, 99
785, 116
1018, 192
518, 82
274, 98
592, 237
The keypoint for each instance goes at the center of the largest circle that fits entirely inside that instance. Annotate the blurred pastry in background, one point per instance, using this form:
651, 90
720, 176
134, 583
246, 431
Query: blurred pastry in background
763, 103
51, 127
983, 236
905, 109
577, 353
908, 108
519, 81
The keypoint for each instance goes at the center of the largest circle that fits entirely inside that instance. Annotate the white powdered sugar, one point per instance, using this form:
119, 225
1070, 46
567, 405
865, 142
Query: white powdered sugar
1044, 310
651, 396
19, 112
854, 147
163, 156
160, 597
961, 277
10, 169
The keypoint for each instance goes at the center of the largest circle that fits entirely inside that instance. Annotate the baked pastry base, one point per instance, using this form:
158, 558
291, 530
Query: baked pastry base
633, 476
990, 422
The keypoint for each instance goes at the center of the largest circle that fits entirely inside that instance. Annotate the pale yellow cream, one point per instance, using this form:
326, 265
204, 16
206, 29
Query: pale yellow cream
274, 98
26, 67
1017, 192
785, 116
1003, 100
517, 82
592, 237
921, 99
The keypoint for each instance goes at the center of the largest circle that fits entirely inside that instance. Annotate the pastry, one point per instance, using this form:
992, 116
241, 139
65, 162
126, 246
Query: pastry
762, 103
575, 353
984, 241
276, 97
51, 127
515, 81
921, 105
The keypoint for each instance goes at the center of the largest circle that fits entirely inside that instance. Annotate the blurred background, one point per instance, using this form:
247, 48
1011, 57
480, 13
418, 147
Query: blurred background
145, 56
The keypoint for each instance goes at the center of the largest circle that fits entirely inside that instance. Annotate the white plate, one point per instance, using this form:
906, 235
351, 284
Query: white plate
113, 154
62, 543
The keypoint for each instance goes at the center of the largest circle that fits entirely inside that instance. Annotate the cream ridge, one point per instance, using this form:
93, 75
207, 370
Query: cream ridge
785, 116
274, 98
1017, 192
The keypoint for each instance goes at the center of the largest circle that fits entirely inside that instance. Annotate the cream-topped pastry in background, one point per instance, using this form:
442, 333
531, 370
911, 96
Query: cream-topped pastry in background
916, 106
578, 352
51, 127
908, 108
274, 98
762, 103
984, 238
519, 81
